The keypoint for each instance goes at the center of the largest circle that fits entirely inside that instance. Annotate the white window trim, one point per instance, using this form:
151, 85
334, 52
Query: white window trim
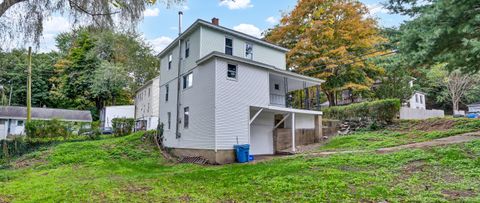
225, 44
246, 56
183, 78
236, 72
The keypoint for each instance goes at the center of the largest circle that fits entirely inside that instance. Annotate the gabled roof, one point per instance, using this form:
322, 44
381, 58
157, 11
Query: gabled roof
259, 64
18, 112
200, 22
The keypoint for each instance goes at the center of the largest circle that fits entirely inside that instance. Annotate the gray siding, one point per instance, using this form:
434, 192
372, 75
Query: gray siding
200, 100
233, 99
187, 63
212, 40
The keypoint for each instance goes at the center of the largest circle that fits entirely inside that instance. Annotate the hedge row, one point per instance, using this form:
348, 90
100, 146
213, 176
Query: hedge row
381, 111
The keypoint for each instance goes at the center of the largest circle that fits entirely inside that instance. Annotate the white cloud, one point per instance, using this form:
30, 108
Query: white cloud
151, 12
160, 43
376, 9
249, 29
272, 20
235, 4
56, 24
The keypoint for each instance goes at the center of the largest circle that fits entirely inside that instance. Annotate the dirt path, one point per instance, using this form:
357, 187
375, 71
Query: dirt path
467, 137
437, 142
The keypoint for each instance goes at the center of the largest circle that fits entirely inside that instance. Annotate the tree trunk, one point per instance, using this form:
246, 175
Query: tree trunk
6, 4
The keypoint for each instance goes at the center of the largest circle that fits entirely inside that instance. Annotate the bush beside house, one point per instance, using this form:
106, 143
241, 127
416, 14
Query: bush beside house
382, 111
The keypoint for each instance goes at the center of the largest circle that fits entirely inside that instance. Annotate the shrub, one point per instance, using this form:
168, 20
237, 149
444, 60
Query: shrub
122, 126
376, 111
47, 129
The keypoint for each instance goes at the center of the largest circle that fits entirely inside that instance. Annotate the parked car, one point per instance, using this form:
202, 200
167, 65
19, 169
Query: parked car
107, 131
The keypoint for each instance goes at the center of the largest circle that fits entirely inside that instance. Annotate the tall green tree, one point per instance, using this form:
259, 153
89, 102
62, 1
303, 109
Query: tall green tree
442, 31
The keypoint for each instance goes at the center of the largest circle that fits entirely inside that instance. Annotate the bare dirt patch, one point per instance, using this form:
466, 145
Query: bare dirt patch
457, 194
467, 137
425, 125
24, 162
137, 189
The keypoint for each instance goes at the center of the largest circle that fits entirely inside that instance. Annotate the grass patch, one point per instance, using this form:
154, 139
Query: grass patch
404, 132
125, 169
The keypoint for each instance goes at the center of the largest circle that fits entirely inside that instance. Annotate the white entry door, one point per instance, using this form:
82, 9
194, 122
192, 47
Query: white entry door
261, 134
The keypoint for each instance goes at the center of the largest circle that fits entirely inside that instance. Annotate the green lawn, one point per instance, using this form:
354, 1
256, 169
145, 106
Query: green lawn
404, 132
127, 170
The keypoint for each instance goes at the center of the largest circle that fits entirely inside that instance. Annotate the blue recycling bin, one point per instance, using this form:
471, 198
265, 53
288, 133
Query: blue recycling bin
241, 152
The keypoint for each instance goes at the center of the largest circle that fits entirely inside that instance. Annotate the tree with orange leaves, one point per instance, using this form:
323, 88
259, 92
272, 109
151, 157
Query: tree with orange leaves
331, 40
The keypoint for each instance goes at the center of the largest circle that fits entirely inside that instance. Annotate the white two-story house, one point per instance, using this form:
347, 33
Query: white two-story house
147, 105
220, 87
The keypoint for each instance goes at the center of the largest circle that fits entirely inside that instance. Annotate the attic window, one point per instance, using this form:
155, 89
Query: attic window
248, 51
228, 46
277, 86
169, 61
187, 48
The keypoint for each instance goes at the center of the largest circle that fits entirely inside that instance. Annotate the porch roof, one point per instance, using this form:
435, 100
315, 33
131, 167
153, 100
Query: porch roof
287, 110
271, 68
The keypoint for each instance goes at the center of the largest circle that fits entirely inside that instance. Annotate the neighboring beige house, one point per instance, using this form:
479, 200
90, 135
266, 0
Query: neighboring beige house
147, 105
12, 118
220, 87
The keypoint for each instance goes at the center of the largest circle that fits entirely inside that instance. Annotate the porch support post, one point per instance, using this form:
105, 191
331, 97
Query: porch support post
318, 97
285, 87
255, 116
306, 95
293, 132
281, 121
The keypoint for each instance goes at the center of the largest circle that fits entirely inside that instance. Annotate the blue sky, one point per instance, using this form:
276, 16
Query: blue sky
159, 26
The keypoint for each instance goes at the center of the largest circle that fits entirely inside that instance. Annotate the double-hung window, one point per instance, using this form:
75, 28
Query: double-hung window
232, 71
166, 92
187, 48
170, 58
186, 117
248, 51
187, 80
228, 46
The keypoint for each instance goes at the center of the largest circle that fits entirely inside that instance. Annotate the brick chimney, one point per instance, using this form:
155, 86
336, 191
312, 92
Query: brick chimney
215, 21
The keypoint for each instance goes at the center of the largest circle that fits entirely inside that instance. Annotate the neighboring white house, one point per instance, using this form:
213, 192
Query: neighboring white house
108, 113
232, 90
474, 108
415, 108
12, 118
146, 105
417, 101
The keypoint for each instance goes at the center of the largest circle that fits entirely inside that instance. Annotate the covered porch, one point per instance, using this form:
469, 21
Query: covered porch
276, 130
288, 89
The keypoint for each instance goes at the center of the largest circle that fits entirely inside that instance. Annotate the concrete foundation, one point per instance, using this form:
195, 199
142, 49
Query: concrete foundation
219, 157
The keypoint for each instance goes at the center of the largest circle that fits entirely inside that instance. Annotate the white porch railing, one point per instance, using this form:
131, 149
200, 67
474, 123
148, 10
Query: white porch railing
277, 100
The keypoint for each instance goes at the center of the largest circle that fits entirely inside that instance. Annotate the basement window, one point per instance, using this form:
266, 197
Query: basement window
232, 71
186, 117
228, 46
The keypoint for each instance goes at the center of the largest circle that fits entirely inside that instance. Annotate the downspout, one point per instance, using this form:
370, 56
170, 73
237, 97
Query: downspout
177, 133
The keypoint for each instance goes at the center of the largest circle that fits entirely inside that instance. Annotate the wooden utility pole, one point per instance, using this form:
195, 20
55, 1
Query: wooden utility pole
29, 86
